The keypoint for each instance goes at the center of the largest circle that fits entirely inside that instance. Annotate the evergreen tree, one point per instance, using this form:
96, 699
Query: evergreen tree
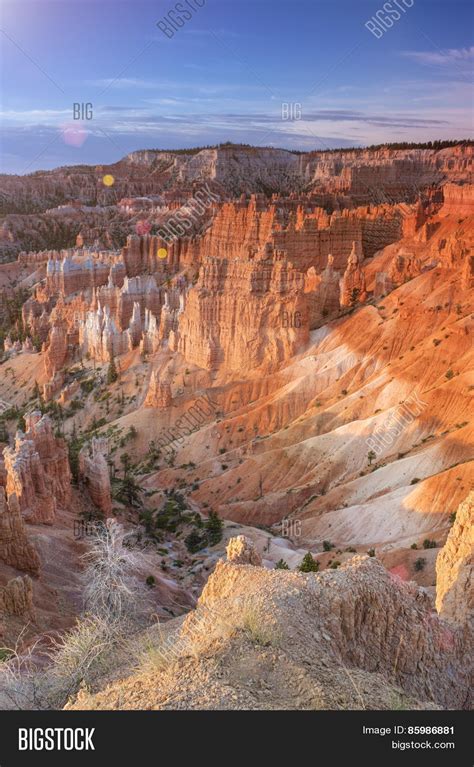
74, 446
354, 296
194, 542
125, 460
281, 565
309, 565
112, 374
214, 528
130, 490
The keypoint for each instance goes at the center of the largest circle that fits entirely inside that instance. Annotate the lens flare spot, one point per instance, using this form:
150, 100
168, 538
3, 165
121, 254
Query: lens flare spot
73, 135
162, 252
143, 227
108, 180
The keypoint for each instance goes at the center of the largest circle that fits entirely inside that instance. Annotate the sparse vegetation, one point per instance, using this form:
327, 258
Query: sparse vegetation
371, 455
308, 564
112, 373
213, 526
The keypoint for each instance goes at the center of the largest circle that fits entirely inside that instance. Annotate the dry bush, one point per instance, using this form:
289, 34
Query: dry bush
112, 589
115, 603
81, 656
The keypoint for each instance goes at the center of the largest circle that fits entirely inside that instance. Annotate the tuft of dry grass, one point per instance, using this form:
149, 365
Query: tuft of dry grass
256, 625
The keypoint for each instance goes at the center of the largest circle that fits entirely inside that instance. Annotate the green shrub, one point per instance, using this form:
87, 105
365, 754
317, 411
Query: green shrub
87, 385
112, 374
281, 565
428, 544
308, 564
214, 527
420, 564
194, 542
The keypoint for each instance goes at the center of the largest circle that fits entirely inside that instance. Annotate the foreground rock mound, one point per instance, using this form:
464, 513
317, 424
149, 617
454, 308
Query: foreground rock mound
355, 637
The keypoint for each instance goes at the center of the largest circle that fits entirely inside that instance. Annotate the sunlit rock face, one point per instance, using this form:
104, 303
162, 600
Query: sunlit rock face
94, 470
37, 470
455, 569
244, 314
353, 280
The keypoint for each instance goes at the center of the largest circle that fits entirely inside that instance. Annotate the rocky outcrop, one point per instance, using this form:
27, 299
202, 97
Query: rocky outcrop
16, 597
352, 285
15, 549
38, 470
413, 220
458, 199
56, 351
241, 551
94, 471
242, 314
405, 266
159, 392
359, 615
272, 639
455, 568
323, 294
73, 270
468, 273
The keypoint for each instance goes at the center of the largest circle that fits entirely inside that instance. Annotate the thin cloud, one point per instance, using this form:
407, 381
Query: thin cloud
445, 58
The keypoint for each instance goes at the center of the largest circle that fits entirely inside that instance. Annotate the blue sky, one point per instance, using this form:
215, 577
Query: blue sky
224, 75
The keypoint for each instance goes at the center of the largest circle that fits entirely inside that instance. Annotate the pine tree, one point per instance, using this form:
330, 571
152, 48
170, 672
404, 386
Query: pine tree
309, 565
112, 374
194, 542
126, 462
214, 528
354, 296
281, 565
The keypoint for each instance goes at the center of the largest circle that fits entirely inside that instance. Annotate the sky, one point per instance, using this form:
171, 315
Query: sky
299, 74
